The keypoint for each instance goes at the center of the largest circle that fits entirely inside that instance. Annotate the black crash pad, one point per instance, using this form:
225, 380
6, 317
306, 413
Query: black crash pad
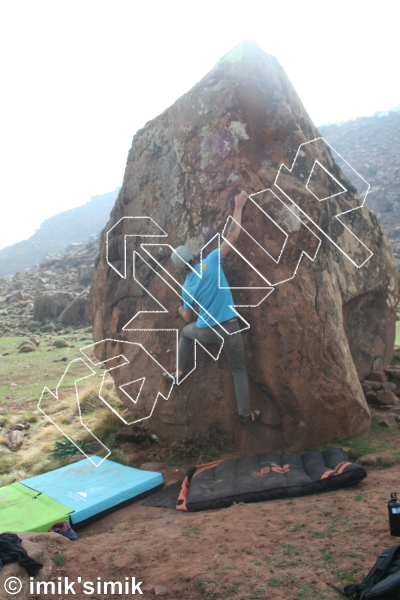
259, 477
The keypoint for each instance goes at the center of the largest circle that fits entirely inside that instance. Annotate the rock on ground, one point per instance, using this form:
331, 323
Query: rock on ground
39, 546
60, 343
28, 347
14, 440
77, 312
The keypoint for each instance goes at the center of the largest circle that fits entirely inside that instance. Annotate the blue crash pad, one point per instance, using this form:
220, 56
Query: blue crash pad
92, 490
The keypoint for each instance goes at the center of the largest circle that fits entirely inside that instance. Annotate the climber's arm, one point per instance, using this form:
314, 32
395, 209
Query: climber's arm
186, 314
234, 228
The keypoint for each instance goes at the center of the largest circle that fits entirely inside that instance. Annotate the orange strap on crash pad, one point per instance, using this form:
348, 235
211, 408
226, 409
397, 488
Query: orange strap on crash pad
181, 502
183, 494
341, 467
201, 468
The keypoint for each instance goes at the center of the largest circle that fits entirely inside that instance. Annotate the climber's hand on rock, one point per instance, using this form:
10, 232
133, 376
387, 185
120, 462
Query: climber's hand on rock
240, 199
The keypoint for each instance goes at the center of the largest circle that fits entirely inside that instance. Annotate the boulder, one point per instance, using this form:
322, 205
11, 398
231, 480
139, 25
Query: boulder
326, 324
393, 374
133, 458
385, 397
60, 343
128, 448
394, 412
161, 590
50, 306
389, 386
365, 387
27, 347
18, 427
40, 546
14, 440
388, 420
375, 386
16, 296
379, 376
77, 313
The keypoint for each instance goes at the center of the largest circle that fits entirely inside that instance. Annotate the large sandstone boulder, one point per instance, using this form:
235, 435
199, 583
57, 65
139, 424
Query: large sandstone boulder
327, 322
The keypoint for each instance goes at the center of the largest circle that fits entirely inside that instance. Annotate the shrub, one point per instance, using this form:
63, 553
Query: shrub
206, 444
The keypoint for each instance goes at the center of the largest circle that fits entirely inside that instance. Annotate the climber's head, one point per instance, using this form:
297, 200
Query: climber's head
181, 256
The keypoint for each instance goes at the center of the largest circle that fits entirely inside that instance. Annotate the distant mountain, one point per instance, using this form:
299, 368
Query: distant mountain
384, 113
372, 146
379, 113
56, 233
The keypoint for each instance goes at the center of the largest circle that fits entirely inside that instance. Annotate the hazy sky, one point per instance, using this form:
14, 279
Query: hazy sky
80, 77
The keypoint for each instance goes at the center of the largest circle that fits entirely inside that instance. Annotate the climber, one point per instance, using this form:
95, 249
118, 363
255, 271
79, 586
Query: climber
214, 309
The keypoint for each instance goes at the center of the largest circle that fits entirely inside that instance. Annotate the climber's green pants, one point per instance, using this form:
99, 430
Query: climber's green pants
233, 348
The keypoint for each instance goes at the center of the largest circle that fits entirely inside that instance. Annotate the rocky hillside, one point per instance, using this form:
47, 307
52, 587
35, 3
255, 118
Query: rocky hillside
57, 232
52, 295
372, 146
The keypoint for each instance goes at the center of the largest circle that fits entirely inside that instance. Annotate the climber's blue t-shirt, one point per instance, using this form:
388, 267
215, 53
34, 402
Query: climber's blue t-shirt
205, 292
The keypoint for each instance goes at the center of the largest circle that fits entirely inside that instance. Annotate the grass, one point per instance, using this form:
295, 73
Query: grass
307, 591
344, 576
46, 448
33, 371
376, 446
195, 529
276, 581
208, 588
59, 560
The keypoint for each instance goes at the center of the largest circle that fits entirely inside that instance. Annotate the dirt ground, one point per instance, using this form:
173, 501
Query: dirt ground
280, 550
275, 550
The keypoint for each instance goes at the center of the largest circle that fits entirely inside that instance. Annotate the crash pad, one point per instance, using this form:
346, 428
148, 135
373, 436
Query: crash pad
24, 509
259, 477
93, 491
267, 477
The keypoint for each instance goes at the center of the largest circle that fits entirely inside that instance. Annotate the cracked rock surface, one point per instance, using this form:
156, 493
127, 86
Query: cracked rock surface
314, 336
